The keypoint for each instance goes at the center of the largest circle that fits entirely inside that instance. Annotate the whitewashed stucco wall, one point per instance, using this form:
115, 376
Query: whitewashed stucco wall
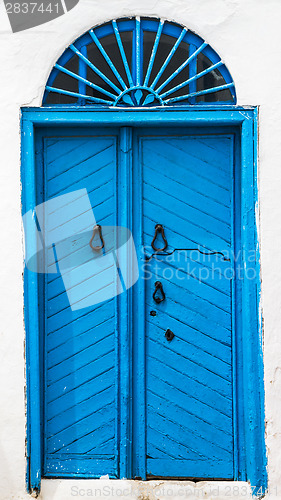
246, 34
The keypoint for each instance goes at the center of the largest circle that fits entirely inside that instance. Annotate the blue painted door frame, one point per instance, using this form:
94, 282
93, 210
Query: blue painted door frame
249, 413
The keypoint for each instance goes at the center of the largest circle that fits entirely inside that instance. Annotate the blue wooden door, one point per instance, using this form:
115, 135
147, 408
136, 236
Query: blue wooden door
134, 385
79, 305
187, 189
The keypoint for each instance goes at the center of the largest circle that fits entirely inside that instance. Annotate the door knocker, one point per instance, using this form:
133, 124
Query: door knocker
158, 289
159, 229
97, 229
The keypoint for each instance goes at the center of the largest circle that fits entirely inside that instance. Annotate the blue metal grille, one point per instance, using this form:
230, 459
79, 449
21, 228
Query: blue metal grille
139, 62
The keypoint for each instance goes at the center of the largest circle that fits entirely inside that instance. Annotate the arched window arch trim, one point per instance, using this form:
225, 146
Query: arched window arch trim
141, 62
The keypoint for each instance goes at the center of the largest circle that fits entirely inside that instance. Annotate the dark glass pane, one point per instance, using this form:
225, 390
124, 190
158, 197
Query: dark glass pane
110, 45
148, 42
165, 46
180, 56
210, 80
127, 41
65, 82
95, 57
54, 98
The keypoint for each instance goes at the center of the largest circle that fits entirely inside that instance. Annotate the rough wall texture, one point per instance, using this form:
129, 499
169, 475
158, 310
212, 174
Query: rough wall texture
246, 34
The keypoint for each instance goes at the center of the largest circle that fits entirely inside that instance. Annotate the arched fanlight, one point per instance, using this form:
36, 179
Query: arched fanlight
139, 62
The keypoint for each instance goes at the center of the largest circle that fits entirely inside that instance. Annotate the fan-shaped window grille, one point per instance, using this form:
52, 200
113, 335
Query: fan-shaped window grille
139, 62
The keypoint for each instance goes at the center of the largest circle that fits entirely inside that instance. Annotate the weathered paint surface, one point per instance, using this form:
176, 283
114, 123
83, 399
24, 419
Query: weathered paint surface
80, 355
190, 382
234, 29
250, 342
187, 436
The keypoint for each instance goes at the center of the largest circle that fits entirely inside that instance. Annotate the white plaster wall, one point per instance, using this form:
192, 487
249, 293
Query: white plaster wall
246, 33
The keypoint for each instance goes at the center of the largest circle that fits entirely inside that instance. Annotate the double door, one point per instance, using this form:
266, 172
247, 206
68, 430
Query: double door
136, 301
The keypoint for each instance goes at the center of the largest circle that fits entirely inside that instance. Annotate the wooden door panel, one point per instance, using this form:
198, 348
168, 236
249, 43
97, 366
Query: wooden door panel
80, 411
187, 188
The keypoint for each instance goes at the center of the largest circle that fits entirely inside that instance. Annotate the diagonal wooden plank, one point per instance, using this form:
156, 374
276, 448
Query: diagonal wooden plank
197, 443
84, 427
210, 414
69, 367
80, 342
189, 368
205, 200
184, 420
80, 393
210, 165
93, 438
187, 384
160, 444
88, 371
75, 414
86, 177
191, 317
218, 352
65, 149
198, 236
58, 217
80, 324
199, 205
81, 346
182, 210
75, 157
182, 295
184, 175
185, 349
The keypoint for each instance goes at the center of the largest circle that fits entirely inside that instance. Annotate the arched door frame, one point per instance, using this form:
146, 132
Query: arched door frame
251, 464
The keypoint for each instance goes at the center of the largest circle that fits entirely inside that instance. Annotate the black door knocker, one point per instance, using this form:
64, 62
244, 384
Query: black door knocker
97, 229
159, 229
158, 289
